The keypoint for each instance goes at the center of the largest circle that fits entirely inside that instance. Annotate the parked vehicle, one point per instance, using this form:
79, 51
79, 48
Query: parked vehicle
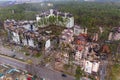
64, 75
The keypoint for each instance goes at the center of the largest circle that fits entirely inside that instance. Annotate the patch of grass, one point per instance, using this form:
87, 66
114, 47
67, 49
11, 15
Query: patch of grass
66, 66
48, 59
38, 55
27, 54
115, 72
29, 61
79, 73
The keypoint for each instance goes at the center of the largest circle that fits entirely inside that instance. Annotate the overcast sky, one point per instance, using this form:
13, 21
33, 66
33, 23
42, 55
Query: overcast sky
7, 0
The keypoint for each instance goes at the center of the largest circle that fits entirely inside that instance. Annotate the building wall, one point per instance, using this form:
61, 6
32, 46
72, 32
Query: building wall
110, 36
68, 24
38, 18
15, 37
95, 66
78, 55
25, 42
28, 27
88, 67
31, 43
78, 30
71, 22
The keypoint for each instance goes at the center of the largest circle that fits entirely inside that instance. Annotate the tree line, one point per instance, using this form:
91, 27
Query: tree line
88, 14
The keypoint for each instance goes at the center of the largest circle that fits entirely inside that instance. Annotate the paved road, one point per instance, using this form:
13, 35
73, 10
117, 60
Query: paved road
19, 55
13, 62
103, 70
40, 71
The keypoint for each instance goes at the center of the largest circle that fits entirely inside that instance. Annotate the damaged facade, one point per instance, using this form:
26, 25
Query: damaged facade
55, 17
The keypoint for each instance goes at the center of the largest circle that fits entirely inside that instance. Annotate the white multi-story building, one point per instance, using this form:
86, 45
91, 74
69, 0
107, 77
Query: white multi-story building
79, 30
20, 32
60, 18
78, 56
15, 37
90, 67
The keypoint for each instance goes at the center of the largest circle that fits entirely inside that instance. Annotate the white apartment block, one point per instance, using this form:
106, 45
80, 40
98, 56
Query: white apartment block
68, 19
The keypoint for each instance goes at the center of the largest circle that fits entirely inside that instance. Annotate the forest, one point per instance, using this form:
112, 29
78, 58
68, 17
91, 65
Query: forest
87, 14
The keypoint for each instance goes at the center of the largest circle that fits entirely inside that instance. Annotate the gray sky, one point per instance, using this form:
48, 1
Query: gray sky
7, 0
